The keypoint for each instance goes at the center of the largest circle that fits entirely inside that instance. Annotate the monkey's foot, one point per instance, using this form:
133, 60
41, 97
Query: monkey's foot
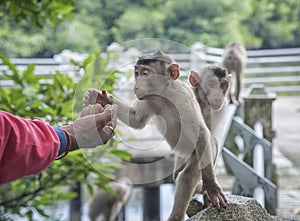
194, 207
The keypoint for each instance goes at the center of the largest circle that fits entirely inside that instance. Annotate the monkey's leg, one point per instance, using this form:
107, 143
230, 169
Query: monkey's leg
185, 186
115, 210
179, 165
197, 203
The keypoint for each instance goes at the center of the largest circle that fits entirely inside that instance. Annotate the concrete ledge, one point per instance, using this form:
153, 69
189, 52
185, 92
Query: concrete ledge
239, 208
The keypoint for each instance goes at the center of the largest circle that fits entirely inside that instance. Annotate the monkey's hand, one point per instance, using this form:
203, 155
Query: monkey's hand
94, 96
215, 195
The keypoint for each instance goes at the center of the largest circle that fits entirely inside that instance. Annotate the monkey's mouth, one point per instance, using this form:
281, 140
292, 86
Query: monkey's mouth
145, 96
216, 106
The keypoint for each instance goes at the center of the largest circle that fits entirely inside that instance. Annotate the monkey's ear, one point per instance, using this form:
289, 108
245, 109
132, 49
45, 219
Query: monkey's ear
193, 78
174, 71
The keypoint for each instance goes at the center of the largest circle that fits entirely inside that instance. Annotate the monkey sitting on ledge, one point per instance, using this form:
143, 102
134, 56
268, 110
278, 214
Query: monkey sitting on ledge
211, 86
184, 128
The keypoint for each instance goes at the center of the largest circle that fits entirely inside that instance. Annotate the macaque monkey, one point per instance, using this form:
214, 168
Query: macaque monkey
109, 205
211, 87
184, 128
235, 60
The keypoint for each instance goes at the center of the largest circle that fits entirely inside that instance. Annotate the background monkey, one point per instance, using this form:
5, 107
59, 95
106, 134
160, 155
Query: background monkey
109, 205
235, 60
159, 93
211, 87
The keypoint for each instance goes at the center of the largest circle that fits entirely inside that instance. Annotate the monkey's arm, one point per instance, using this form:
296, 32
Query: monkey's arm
207, 153
135, 117
212, 188
115, 210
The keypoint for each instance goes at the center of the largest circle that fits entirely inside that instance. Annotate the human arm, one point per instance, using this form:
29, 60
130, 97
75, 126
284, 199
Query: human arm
26, 146
29, 146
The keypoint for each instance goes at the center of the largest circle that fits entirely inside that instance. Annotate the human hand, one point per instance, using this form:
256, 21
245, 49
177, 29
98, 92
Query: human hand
94, 96
91, 130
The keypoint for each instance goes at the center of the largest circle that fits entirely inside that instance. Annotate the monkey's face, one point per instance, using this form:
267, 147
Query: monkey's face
213, 89
212, 84
148, 83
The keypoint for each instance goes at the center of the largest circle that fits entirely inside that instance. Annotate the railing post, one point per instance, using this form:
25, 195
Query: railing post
258, 108
151, 205
259, 164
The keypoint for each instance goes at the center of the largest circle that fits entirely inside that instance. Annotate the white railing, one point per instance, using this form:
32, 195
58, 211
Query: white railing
277, 69
259, 164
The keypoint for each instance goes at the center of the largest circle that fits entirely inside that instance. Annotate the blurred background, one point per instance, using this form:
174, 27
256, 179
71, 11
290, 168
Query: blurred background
46, 27
47, 45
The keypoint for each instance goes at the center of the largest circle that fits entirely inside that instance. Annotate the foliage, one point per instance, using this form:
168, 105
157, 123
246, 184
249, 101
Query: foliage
275, 22
51, 98
96, 24
150, 24
38, 12
212, 22
71, 34
18, 40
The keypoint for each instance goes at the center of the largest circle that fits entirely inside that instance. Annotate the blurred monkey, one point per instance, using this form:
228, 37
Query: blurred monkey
235, 60
108, 206
211, 86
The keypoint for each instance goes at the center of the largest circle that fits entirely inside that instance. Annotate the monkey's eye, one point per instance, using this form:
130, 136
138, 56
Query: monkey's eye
224, 86
145, 73
136, 73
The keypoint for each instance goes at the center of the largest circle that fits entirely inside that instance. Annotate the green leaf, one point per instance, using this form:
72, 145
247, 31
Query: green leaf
10, 65
28, 74
4, 96
90, 189
42, 212
29, 214
89, 59
66, 195
121, 153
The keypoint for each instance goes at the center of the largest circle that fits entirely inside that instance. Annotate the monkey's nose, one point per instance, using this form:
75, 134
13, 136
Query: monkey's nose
217, 99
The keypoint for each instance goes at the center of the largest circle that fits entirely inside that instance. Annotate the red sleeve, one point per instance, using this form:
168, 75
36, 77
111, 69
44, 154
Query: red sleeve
26, 146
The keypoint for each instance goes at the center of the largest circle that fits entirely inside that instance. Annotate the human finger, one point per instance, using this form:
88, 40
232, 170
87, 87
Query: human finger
85, 111
114, 111
104, 117
97, 108
109, 114
109, 129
